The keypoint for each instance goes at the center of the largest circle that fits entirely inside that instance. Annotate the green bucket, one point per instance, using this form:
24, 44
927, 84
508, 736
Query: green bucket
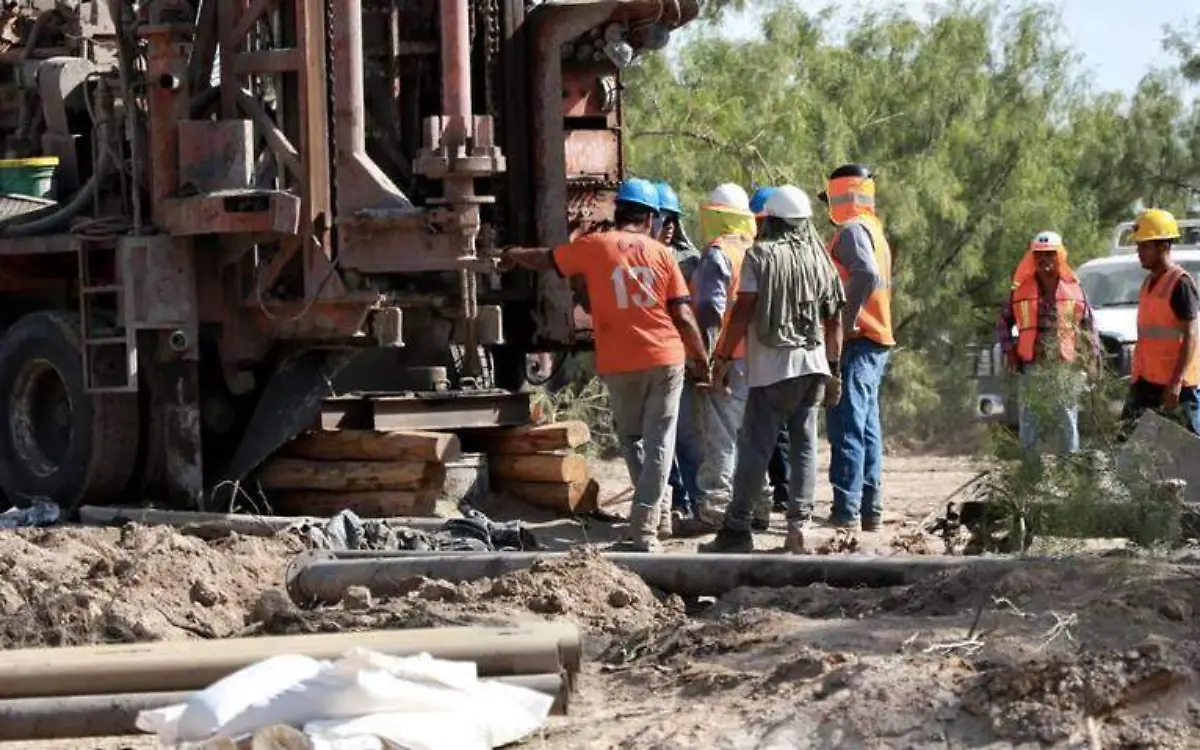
33, 177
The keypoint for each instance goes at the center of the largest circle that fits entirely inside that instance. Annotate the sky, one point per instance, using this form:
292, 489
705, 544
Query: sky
1120, 40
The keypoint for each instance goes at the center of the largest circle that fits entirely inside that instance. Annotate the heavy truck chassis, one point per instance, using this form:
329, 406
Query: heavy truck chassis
270, 215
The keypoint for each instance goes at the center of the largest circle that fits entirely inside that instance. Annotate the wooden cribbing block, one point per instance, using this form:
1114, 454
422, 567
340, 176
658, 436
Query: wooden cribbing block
362, 504
540, 467
351, 476
575, 497
535, 439
373, 445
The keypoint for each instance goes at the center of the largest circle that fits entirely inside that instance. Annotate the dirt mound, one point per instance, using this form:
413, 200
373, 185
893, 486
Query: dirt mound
583, 587
75, 586
1140, 694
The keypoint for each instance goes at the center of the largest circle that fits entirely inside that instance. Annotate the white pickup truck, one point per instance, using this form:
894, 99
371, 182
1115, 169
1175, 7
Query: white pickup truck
1112, 285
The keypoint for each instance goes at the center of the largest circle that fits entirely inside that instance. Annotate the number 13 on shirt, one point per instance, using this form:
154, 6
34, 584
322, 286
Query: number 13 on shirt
642, 279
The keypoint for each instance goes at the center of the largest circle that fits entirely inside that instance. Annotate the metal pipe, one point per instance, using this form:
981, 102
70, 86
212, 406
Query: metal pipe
223, 523
115, 715
324, 577
456, 71
181, 665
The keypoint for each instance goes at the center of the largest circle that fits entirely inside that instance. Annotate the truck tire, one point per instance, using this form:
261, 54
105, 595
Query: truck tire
56, 442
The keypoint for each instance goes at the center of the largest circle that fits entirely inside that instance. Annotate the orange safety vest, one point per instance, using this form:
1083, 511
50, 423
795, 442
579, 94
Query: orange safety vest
875, 317
734, 247
1069, 306
1160, 333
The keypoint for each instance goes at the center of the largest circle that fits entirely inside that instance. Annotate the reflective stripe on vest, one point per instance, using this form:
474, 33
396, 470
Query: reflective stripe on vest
1069, 308
1161, 334
875, 317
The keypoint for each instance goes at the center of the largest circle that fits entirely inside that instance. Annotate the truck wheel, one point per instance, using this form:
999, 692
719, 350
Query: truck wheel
56, 442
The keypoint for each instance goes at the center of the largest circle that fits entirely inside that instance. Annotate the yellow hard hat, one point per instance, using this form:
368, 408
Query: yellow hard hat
1155, 224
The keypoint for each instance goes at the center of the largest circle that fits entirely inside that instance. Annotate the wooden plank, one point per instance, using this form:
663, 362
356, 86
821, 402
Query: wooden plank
536, 439
362, 504
575, 497
373, 445
541, 467
351, 476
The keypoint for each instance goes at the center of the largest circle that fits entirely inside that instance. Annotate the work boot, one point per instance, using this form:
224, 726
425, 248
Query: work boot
728, 541
642, 535
871, 523
760, 524
795, 536
665, 521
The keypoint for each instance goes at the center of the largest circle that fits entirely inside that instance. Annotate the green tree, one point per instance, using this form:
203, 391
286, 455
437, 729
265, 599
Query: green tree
978, 123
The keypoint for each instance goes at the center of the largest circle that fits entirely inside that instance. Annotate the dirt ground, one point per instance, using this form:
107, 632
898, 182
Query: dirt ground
1087, 655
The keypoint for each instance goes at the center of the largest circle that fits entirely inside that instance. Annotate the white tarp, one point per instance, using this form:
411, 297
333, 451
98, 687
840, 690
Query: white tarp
362, 701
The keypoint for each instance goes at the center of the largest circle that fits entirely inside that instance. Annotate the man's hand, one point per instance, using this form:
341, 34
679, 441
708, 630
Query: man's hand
833, 391
700, 372
1171, 394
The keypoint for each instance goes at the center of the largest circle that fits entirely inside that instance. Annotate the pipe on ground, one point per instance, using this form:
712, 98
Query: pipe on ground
322, 578
168, 666
224, 523
115, 715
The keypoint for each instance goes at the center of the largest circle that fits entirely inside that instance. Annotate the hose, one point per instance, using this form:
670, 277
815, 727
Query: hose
60, 218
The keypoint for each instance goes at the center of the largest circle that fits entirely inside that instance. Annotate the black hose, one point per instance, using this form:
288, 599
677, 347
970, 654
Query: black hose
60, 218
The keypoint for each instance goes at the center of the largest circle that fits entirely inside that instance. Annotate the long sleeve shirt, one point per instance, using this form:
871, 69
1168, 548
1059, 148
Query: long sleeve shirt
713, 277
1047, 324
856, 253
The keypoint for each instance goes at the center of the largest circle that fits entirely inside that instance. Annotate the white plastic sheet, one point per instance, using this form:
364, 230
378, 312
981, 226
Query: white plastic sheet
362, 700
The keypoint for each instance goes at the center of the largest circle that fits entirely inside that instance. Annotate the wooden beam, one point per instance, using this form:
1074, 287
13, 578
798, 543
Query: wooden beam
363, 504
540, 467
351, 476
535, 439
575, 497
373, 445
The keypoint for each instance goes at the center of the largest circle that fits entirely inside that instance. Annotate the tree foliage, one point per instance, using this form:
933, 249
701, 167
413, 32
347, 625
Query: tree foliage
977, 120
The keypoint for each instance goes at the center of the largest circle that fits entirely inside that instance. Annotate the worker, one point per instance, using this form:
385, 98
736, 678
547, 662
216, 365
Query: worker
864, 262
687, 440
727, 229
1050, 311
788, 316
779, 469
1166, 365
645, 330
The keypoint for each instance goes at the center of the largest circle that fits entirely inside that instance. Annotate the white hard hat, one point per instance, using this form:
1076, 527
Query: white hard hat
1046, 241
730, 195
789, 202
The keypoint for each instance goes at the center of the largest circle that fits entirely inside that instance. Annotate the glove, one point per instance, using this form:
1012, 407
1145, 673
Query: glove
833, 391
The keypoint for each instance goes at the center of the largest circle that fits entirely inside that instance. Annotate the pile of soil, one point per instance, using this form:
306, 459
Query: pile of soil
77, 586
583, 588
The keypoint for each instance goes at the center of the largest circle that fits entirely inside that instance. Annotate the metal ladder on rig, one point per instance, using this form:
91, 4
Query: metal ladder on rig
109, 343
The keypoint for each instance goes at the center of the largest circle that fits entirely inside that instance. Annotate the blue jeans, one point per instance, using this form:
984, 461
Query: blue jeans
684, 491
779, 471
792, 404
1059, 409
720, 419
855, 434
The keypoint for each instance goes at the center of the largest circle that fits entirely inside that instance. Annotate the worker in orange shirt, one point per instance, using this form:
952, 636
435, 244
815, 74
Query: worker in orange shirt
645, 332
1050, 311
1166, 366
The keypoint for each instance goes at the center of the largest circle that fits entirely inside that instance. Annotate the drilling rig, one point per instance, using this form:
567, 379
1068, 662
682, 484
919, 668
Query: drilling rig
225, 222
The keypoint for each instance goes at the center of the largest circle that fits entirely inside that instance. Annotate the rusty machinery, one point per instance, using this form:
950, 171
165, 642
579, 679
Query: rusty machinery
275, 213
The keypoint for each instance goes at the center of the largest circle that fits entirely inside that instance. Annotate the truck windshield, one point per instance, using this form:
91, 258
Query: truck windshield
1117, 285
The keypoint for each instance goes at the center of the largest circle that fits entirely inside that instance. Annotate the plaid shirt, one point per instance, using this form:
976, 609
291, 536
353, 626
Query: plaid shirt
1047, 324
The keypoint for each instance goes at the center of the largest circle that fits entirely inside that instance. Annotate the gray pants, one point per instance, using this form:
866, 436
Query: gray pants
792, 403
645, 409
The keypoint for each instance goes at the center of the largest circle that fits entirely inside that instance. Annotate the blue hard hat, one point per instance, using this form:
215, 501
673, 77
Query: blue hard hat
758, 203
639, 192
668, 201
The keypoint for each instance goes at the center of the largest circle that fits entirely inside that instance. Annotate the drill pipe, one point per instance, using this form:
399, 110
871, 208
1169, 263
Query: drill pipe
185, 665
324, 577
68, 717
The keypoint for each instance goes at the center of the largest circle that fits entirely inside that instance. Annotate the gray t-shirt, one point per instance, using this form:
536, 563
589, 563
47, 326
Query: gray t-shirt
855, 251
767, 365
